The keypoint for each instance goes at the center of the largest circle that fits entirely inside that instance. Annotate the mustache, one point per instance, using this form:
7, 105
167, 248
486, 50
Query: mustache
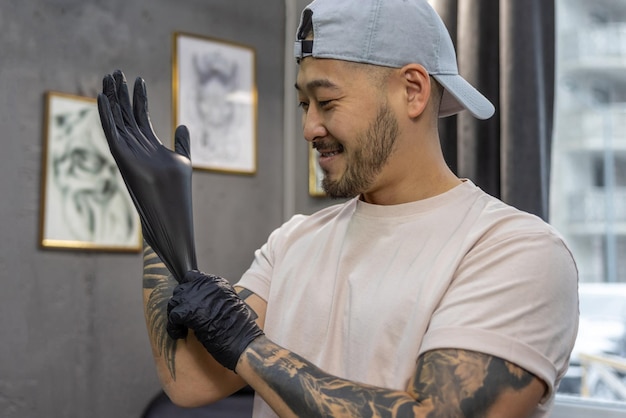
326, 144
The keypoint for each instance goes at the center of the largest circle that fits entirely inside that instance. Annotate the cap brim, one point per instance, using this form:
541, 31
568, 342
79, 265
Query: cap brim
460, 95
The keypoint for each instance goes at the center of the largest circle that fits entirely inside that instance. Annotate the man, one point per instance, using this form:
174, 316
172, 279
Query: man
420, 297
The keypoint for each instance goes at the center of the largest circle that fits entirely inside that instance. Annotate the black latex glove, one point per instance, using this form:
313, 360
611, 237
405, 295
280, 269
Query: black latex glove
158, 179
209, 306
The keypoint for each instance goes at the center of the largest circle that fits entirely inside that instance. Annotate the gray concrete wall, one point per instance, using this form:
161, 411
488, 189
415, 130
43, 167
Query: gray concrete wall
73, 341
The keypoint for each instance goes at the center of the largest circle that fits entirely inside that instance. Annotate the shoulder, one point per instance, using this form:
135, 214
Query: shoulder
485, 218
508, 239
500, 222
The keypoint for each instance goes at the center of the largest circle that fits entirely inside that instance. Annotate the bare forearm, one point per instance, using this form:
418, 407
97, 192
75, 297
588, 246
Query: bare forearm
295, 387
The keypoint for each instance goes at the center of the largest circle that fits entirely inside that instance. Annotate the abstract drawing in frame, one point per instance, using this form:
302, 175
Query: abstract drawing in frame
84, 203
214, 93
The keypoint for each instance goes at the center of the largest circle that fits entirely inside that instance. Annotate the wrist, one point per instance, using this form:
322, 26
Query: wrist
255, 346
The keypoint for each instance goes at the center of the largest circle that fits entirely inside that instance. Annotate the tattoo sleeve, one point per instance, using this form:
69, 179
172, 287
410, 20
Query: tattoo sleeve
160, 283
464, 383
447, 383
308, 391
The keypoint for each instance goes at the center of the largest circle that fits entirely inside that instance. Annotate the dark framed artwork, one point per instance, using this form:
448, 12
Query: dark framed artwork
84, 202
214, 93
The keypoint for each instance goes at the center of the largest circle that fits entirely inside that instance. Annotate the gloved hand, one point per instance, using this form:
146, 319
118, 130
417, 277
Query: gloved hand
209, 306
159, 180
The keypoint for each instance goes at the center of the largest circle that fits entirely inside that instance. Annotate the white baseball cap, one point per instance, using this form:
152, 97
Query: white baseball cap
390, 33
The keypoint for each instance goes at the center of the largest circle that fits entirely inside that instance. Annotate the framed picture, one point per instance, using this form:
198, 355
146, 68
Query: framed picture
84, 204
214, 94
316, 175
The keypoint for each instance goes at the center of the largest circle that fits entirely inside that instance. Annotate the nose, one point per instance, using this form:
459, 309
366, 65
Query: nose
312, 124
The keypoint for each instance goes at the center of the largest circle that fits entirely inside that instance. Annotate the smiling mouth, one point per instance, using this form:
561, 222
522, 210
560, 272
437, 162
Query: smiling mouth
327, 150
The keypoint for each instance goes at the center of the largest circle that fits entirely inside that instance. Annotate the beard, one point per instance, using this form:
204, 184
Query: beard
372, 150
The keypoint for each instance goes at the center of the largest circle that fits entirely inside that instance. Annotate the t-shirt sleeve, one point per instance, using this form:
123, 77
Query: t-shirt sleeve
516, 299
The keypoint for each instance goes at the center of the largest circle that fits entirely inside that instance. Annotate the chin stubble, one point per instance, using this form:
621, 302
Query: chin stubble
373, 149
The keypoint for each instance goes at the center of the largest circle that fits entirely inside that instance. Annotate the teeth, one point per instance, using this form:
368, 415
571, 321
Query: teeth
331, 153
338, 148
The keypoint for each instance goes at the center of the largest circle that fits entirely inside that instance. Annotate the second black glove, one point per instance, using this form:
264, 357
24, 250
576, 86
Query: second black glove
221, 321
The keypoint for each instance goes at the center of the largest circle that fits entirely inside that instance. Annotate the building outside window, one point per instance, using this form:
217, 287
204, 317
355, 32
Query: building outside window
588, 190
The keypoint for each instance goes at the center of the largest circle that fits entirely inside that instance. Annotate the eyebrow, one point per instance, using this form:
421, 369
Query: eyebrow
320, 83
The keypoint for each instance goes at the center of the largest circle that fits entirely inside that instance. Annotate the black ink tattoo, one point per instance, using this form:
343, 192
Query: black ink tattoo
308, 391
454, 381
158, 278
245, 294
447, 383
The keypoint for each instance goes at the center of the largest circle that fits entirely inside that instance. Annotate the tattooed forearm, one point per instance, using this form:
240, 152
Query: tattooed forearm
447, 383
310, 392
453, 381
158, 280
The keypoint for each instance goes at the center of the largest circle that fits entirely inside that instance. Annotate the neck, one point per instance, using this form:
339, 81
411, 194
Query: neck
413, 173
412, 191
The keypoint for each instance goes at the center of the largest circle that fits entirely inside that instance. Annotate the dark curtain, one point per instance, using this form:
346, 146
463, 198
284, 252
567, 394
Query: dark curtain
505, 48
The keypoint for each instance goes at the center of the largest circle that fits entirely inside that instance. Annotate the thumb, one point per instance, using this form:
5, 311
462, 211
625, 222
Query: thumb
181, 142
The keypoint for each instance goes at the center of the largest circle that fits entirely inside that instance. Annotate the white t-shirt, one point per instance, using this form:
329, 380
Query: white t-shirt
362, 290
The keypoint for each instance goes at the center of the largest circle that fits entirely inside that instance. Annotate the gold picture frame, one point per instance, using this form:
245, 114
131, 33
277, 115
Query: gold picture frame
316, 175
84, 202
215, 96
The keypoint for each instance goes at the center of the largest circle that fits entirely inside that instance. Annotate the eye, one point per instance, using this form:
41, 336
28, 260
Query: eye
303, 105
324, 103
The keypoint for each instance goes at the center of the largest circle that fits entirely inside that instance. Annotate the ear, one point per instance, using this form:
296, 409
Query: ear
417, 85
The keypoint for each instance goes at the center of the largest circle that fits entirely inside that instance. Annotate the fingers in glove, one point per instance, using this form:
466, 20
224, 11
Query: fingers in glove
124, 100
181, 142
140, 111
176, 332
178, 290
109, 89
176, 315
106, 118
127, 114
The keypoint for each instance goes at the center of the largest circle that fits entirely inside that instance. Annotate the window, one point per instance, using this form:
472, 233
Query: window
588, 191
